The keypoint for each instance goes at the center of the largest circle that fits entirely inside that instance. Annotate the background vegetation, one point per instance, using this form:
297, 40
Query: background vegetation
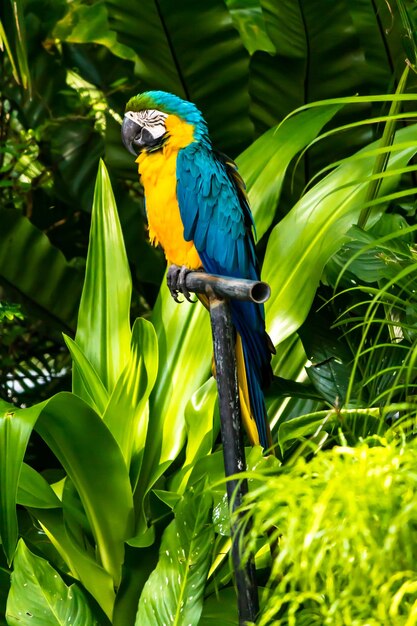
118, 483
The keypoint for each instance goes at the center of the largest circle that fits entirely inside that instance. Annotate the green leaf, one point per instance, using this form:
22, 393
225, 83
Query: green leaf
4, 592
160, 34
386, 140
90, 24
301, 244
304, 426
248, 19
263, 165
127, 413
277, 82
174, 591
22, 244
185, 347
39, 597
34, 491
200, 431
94, 463
95, 392
330, 357
15, 429
287, 388
103, 330
220, 608
80, 563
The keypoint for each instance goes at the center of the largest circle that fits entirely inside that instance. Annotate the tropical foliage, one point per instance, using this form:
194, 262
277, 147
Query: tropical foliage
112, 504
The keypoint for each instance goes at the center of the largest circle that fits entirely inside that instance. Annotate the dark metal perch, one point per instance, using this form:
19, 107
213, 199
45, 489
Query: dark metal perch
219, 290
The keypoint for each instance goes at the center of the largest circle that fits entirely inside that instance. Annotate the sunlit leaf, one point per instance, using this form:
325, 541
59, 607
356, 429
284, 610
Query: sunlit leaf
103, 330
95, 392
94, 463
126, 415
301, 244
80, 563
90, 24
15, 429
34, 491
263, 165
39, 597
201, 431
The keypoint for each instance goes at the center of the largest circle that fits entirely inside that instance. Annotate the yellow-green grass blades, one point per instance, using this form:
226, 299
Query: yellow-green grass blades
345, 522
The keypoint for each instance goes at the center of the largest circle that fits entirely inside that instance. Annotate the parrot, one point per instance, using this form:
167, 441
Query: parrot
198, 212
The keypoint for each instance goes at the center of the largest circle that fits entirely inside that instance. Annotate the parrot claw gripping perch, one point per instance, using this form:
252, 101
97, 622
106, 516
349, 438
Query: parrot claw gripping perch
176, 277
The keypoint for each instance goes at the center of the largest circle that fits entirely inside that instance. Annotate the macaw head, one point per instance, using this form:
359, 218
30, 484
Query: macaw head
151, 116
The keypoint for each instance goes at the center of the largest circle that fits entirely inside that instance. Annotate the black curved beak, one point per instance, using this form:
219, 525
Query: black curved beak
132, 136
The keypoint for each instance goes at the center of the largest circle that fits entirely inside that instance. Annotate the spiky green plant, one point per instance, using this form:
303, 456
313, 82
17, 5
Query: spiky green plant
346, 526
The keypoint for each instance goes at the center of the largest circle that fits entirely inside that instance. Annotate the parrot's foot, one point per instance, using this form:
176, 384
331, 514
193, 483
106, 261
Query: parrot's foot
176, 282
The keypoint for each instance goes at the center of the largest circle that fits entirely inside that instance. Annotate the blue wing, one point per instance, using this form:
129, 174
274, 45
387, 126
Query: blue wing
216, 216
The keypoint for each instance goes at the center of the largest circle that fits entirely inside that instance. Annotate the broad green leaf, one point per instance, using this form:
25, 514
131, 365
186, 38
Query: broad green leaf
263, 165
95, 394
80, 563
161, 35
34, 491
174, 591
90, 24
248, 19
330, 356
23, 245
15, 428
126, 415
201, 431
94, 463
277, 82
305, 426
302, 243
103, 330
39, 597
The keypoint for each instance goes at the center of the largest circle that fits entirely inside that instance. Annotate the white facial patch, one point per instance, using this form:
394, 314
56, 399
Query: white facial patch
151, 119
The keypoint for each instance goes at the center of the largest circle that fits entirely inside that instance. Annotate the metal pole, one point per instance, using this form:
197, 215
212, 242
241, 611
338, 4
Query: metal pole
233, 449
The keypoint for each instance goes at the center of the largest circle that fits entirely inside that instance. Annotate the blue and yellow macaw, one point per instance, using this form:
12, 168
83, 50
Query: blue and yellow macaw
198, 212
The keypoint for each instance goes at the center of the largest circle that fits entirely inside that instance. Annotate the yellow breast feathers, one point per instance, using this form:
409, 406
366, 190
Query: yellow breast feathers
158, 175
